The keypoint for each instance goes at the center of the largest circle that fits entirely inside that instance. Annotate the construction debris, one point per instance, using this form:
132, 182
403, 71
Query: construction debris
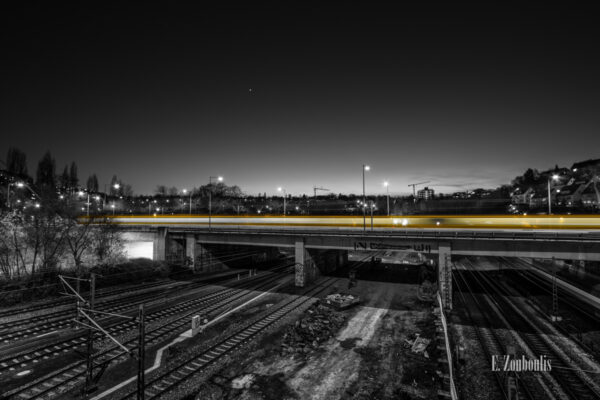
320, 324
341, 301
418, 345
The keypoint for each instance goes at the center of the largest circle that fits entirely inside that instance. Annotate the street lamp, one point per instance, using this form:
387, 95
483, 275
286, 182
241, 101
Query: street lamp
387, 188
113, 207
280, 189
364, 168
210, 178
184, 192
555, 177
81, 193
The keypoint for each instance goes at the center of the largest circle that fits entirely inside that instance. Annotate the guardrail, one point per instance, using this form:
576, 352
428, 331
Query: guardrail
453, 393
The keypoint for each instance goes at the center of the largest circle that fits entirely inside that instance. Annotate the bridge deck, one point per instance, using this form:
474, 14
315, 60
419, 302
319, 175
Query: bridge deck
574, 224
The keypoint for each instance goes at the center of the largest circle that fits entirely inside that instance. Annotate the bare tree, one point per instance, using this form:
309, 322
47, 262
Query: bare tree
79, 238
107, 243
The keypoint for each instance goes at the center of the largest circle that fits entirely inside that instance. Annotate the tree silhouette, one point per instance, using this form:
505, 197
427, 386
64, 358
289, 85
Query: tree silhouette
73, 179
46, 176
16, 162
92, 183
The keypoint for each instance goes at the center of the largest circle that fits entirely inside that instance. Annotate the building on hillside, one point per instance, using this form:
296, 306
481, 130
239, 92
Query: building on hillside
522, 198
586, 165
425, 193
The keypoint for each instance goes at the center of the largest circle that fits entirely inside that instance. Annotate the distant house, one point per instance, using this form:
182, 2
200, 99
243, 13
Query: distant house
522, 198
586, 165
479, 193
577, 192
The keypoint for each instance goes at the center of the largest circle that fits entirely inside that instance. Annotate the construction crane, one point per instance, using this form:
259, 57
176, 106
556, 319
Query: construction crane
319, 188
413, 186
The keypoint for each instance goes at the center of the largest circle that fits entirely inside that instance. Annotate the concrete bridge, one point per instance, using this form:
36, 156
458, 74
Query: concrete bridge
322, 243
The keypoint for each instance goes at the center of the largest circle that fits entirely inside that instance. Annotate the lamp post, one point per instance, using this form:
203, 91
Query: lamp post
554, 178
280, 189
210, 178
364, 168
116, 186
184, 192
387, 188
81, 193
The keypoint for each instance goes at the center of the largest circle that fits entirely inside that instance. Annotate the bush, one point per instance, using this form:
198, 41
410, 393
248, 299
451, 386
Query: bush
134, 271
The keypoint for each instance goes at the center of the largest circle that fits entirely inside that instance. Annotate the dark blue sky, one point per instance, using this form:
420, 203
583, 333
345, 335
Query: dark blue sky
462, 96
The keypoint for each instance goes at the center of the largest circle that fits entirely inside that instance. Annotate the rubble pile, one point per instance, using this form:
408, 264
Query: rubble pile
319, 324
341, 301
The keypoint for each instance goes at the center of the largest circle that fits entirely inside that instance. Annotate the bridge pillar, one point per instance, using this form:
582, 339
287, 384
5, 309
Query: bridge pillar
306, 270
160, 244
445, 274
190, 249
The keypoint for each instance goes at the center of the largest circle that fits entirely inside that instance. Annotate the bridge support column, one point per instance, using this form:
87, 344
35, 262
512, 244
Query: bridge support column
306, 270
190, 250
160, 244
445, 274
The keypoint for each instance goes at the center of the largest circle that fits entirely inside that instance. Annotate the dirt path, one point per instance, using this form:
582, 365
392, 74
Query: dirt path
365, 359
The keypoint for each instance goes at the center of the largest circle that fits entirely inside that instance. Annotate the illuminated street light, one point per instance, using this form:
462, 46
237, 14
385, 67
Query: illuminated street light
210, 178
387, 188
364, 168
280, 189
555, 177
81, 193
184, 192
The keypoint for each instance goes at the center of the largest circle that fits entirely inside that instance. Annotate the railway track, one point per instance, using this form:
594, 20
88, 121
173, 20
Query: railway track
71, 376
108, 292
571, 382
490, 342
66, 301
174, 376
23, 359
579, 317
20, 329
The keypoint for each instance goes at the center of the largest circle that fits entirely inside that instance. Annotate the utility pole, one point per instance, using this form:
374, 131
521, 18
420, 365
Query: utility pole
280, 189
364, 168
210, 178
85, 317
554, 317
89, 373
141, 383
387, 189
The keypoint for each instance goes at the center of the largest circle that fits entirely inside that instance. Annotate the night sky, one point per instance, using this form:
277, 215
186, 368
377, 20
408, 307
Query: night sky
267, 96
